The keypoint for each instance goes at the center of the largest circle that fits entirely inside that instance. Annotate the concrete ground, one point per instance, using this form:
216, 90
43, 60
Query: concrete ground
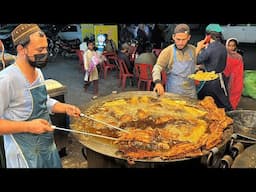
66, 70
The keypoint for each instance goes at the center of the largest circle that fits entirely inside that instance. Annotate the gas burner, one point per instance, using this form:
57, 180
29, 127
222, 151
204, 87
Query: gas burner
243, 139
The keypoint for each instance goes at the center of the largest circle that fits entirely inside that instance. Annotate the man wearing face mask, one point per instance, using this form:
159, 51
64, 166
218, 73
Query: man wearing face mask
25, 105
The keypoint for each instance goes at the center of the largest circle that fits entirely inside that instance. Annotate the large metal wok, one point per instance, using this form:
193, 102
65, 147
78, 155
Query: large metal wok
107, 148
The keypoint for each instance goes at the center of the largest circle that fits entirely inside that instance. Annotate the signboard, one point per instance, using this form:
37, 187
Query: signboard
87, 30
111, 30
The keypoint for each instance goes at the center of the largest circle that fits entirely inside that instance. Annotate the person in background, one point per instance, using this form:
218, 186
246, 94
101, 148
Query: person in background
25, 105
157, 37
83, 45
142, 37
110, 45
179, 60
234, 71
124, 54
146, 56
125, 35
91, 60
213, 56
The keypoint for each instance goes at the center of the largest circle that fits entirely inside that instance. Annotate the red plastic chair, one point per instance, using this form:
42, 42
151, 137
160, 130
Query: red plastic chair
145, 74
107, 66
80, 55
124, 73
136, 71
108, 54
113, 59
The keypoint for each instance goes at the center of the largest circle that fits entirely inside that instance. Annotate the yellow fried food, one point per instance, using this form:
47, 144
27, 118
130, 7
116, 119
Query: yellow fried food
190, 131
204, 76
118, 102
168, 128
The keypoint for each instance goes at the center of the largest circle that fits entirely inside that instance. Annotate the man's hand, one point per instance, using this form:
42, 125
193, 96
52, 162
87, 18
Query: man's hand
39, 126
200, 45
72, 110
159, 89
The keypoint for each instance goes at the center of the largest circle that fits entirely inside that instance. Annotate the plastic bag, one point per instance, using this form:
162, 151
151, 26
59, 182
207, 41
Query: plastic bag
250, 83
93, 63
86, 76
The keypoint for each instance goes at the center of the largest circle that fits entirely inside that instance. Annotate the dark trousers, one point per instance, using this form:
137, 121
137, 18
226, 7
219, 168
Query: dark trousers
213, 89
2, 153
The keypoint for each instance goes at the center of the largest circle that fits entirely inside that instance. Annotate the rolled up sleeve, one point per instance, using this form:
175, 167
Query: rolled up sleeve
161, 63
50, 103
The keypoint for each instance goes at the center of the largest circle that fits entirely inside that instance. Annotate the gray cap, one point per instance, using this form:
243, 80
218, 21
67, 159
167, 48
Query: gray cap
182, 28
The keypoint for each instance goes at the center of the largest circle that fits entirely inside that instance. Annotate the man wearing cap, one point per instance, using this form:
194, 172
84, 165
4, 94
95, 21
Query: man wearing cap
213, 56
25, 104
179, 61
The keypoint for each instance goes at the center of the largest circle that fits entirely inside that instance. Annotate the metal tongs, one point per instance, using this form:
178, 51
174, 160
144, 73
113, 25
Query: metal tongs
102, 122
91, 134
83, 132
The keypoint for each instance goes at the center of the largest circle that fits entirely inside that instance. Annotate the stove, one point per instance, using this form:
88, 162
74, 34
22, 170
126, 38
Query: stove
240, 149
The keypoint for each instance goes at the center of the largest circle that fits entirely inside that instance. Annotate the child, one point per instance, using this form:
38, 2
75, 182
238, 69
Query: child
91, 60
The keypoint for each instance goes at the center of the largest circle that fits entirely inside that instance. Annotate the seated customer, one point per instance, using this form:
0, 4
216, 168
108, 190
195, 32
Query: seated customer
124, 54
147, 56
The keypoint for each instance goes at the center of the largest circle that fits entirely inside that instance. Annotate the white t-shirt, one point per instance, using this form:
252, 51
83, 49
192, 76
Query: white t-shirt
83, 46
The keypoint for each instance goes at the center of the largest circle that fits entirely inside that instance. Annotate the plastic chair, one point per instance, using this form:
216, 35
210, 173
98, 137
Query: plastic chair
114, 60
124, 73
107, 66
145, 74
108, 54
136, 71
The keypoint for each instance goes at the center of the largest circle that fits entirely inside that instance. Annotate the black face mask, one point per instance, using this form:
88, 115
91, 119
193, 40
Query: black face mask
40, 60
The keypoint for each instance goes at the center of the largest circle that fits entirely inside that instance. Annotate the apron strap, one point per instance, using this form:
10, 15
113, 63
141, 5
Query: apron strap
222, 84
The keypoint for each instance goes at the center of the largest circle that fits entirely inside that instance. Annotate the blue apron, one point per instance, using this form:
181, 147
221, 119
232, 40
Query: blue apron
178, 81
28, 150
